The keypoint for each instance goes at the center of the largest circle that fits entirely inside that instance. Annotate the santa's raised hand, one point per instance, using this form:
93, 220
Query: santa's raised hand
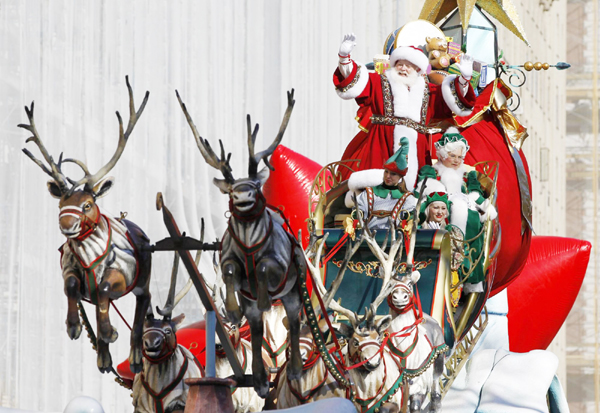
466, 66
347, 45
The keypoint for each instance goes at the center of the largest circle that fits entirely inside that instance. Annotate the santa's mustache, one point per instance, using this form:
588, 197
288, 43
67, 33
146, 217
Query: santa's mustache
407, 79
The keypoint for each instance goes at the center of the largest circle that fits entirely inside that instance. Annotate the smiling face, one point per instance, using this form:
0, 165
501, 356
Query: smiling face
390, 178
454, 159
405, 68
437, 211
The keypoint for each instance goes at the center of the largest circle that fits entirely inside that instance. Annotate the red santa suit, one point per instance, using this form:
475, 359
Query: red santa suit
398, 110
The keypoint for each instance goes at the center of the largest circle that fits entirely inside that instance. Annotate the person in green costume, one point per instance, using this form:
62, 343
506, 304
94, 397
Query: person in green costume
388, 199
468, 209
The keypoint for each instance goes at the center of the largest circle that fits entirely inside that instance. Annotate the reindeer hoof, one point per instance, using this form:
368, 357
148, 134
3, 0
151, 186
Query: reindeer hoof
73, 330
104, 362
436, 402
261, 387
135, 360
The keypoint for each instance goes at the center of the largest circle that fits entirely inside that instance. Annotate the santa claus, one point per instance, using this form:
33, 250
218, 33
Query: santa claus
402, 103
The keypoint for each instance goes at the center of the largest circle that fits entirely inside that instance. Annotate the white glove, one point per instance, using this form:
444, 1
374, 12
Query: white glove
347, 45
433, 225
490, 212
466, 66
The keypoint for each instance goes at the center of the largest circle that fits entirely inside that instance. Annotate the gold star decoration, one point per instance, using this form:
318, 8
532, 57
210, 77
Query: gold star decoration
502, 10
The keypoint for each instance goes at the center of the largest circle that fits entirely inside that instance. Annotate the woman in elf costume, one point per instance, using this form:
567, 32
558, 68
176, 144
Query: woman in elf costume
468, 208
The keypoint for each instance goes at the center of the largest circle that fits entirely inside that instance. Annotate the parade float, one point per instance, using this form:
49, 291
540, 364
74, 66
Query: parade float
332, 282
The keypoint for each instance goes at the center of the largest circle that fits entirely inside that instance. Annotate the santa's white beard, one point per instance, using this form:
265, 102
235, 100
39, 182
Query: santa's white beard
452, 179
408, 80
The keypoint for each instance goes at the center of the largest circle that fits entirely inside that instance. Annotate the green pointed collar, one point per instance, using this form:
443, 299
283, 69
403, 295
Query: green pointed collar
383, 190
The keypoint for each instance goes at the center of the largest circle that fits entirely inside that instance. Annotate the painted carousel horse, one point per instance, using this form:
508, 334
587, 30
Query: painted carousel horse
260, 259
104, 257
417, 341
160, 387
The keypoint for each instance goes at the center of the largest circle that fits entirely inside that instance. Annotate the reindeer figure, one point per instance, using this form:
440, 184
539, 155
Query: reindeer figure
160, 387
418, 339
244, 399
260, 259
377, 377
104, 258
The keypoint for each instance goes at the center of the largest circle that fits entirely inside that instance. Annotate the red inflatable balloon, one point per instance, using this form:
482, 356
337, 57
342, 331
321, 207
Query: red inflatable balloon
541, 297
288, 186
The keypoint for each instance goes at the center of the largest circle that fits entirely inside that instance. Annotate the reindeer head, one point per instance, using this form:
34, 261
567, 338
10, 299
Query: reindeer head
79, 213
402, 295
245, 194
365, 339
159, 340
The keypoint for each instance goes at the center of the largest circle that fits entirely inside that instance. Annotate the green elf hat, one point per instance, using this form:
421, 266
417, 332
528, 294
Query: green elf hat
398, 162
434, 197
451, 135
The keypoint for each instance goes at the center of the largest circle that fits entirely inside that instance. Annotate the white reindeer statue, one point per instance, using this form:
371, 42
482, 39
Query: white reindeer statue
417, 340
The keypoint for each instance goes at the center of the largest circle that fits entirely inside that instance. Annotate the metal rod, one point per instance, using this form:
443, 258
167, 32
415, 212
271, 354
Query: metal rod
210, 321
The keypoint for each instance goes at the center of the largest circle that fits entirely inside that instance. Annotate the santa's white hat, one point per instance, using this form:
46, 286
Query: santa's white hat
412, 54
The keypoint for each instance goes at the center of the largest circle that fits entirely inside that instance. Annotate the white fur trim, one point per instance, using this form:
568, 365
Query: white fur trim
359, 87
459, 212
413, 161
358, 181
451, 130
433, 185
407, 104
348, 201
490, 211
416, 57
449, 97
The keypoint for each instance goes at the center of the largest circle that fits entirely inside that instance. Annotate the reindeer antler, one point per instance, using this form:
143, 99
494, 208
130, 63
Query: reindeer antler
388, 261
90, 180
54, 171
264, 155
328, 294
221, 164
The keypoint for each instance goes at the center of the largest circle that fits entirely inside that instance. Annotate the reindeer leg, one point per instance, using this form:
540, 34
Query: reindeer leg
436, 394
231, 276
104, 359
267, 273
292, 304
73, 293
113, 286
142, 302
260, 379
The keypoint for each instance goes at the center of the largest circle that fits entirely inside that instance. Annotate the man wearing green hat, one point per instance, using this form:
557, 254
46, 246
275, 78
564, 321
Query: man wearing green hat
468, 208
384, 197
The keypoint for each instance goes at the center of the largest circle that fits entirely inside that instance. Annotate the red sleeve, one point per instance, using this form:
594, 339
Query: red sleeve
338, 78
469, 98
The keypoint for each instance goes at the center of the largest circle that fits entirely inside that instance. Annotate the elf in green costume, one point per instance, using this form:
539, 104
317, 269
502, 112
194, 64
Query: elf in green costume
468, 209
385, 195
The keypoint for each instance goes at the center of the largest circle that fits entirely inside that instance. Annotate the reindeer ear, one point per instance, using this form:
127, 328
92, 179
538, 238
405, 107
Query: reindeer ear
263, 175
177, 320
342, 329
54, 189
102, 187
383, 323
223, 185
415, 277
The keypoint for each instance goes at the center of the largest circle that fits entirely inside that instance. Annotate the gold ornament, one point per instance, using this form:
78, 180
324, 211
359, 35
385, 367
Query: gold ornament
546, 66
528, 66
502, 10
537, 66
